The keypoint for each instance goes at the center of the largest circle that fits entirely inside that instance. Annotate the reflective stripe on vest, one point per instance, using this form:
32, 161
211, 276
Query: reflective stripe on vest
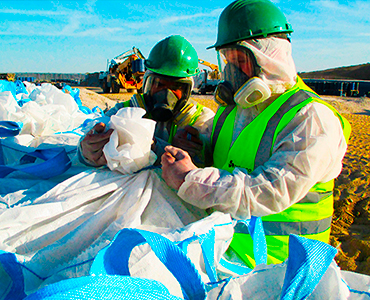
265, 147
220, 121
186, 116
137, 100
286, 228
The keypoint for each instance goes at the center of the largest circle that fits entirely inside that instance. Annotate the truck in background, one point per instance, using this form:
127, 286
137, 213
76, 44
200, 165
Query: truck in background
206, 81
124, 71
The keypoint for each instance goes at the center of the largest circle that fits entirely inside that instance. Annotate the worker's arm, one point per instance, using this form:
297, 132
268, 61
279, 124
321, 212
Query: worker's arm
90, 147
176, 164
309, 150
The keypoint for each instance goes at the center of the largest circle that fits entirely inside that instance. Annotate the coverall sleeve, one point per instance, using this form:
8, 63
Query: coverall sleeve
310, 149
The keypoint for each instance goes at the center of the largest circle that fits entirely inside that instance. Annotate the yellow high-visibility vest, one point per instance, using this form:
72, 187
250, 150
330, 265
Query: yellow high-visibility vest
311, 216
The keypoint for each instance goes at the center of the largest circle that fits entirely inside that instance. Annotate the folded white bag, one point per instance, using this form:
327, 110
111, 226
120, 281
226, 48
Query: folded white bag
128, 149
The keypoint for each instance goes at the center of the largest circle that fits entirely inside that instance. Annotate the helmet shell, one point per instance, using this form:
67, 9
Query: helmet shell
246, 19
173, 56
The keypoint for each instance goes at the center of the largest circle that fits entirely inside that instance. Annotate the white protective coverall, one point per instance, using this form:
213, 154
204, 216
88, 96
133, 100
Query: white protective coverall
308, 150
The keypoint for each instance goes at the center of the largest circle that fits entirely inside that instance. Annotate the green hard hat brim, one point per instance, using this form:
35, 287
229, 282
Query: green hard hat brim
168, 71
247, 19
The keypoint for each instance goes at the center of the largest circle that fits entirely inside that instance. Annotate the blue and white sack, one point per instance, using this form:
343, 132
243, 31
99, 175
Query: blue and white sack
309, 273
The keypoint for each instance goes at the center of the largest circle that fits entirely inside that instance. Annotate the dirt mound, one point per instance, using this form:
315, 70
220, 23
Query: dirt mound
90, 98
360, 72
351, 220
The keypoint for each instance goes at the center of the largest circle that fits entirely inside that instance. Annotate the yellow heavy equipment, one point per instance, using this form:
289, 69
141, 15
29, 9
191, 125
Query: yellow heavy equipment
7, 76
214, 74
124, 71
206, 81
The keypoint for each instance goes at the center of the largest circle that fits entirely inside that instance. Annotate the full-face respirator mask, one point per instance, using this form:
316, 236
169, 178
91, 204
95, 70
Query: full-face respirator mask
165, 96
239, 84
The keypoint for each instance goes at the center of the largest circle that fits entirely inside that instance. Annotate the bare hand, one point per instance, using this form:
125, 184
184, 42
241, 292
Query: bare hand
93, 143
188, 139
176, 164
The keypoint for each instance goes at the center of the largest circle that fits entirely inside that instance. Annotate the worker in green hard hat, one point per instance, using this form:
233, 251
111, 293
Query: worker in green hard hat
167, 86
276, 146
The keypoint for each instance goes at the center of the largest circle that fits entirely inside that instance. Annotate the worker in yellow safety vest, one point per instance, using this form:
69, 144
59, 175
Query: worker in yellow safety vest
167, 86
276, 146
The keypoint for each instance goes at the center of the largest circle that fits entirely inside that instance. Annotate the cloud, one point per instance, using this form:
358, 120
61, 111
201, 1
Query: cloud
87, 23
173, 19
42, 13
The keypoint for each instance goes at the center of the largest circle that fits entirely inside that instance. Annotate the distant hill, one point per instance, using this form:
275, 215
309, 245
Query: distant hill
358, 72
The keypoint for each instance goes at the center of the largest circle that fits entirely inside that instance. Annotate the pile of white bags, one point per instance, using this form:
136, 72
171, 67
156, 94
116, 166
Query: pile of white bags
57, 234
49, 111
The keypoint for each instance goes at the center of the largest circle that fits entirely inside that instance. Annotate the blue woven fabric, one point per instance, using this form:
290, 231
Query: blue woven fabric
114, 260
8, 86
104, 287
20, 87
9, 263
10, 128
56, 162
307, 262
255, 228
207, 242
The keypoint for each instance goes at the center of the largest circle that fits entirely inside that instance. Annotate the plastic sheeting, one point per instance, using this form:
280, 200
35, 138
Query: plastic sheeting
45, 109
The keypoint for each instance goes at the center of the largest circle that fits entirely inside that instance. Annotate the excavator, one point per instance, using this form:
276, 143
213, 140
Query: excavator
206, 81
7, 76
124, 71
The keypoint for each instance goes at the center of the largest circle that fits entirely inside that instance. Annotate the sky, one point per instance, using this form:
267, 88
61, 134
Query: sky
80, 36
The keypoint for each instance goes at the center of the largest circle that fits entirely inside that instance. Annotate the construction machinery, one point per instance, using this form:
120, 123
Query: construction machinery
124, 71
206, 81
7, 76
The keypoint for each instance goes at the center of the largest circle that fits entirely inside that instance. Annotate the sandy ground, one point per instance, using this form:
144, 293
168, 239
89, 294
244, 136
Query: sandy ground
351, 221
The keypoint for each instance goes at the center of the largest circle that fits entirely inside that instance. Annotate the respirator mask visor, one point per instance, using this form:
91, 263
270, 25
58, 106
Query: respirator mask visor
166, 95
239, 84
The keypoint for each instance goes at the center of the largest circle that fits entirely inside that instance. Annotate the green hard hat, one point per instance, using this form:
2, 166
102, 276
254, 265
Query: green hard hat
245, 19
173, 56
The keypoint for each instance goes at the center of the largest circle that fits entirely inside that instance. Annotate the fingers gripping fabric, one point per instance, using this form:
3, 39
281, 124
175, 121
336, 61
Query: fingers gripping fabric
307, 263
114, 260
